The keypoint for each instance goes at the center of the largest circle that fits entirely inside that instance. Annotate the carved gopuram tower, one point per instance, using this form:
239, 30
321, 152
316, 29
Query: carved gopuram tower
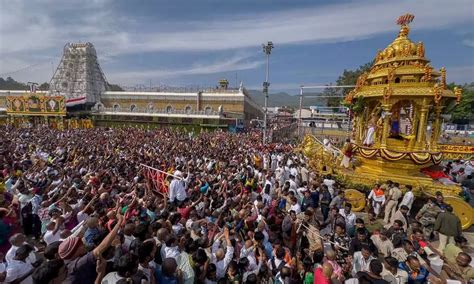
78, 76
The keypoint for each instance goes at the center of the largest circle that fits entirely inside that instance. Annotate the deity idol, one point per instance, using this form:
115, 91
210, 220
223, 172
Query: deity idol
369, 138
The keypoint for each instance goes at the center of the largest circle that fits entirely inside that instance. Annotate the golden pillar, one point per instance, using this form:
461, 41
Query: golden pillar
386, 126
358, 128
420, 136
436, 129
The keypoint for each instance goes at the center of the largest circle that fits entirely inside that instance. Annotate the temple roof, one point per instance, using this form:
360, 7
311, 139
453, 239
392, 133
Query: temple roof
402, 69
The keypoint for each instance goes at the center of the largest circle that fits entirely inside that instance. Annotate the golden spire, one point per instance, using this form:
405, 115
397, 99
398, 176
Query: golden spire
403, 21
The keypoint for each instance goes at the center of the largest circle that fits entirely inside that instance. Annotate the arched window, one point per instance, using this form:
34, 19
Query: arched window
208, 110
151, 107
188, 109
169, 109
133, 108
116, 107
397, 80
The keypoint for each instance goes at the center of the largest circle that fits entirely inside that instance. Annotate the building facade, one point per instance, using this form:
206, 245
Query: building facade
80, 80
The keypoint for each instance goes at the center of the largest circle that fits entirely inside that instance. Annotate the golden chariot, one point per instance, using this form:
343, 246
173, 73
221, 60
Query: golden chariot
397, 109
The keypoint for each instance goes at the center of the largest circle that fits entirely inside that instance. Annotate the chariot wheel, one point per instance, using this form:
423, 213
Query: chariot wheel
356, 199
462, 209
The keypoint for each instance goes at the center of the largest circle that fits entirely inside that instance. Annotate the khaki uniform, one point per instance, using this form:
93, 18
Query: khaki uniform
467, 273
391, 206
428, 214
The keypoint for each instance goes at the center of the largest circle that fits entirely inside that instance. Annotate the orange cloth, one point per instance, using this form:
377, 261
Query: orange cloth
378, 192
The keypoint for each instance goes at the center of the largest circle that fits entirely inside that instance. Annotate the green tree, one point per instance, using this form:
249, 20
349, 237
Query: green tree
333, 99
114, 87
349, 77
44, 86
11, 84
464, 111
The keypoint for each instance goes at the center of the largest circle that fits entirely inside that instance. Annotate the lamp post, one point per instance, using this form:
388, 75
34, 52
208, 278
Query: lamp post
267, 49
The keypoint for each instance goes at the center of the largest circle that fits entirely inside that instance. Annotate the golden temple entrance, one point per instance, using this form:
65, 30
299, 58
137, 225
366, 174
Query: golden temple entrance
29, 121
37, 110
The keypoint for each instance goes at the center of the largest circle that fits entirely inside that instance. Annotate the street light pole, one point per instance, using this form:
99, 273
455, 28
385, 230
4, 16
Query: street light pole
267, 49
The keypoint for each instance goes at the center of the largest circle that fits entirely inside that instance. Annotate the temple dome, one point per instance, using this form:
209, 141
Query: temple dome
403, 70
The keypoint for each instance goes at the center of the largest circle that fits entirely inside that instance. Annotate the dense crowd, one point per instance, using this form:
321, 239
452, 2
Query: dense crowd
83, 206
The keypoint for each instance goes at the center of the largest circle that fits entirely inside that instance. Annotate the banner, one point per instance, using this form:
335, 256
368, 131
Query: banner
36, 104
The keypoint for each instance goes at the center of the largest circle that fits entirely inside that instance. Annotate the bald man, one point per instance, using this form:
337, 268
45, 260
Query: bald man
220, 257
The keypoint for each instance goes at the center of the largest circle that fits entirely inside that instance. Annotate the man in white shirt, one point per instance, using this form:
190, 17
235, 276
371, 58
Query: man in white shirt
294, 172
304, 173
220, 258
273, 165
361, 260
300, 192
330, 184
16, 241
295, 206
128, 236
408, 198
280, 174
53, 234
468, 168
170, 248
19, 269
293, 185
392, 273
278, 262
177, 189
349, 216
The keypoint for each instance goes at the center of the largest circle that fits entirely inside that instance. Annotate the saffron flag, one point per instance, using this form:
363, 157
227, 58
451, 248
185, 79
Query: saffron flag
158, 180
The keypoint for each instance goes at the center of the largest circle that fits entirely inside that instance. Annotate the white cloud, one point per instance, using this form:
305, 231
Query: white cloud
38, 27
235, 63
468, 42
43, 27
332, 23
460, 74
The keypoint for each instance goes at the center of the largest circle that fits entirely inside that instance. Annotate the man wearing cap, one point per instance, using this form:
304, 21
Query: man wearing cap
81, 265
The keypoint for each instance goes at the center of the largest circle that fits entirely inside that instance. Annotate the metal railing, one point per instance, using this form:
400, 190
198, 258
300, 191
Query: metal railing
155, 111
186, 89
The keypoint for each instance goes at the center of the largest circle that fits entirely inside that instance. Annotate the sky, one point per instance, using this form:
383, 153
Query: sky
198, 42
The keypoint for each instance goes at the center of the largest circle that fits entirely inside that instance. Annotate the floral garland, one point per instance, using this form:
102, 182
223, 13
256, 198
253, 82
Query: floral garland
418, 158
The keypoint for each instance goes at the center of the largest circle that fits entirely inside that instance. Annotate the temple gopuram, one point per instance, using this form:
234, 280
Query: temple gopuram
80, 97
